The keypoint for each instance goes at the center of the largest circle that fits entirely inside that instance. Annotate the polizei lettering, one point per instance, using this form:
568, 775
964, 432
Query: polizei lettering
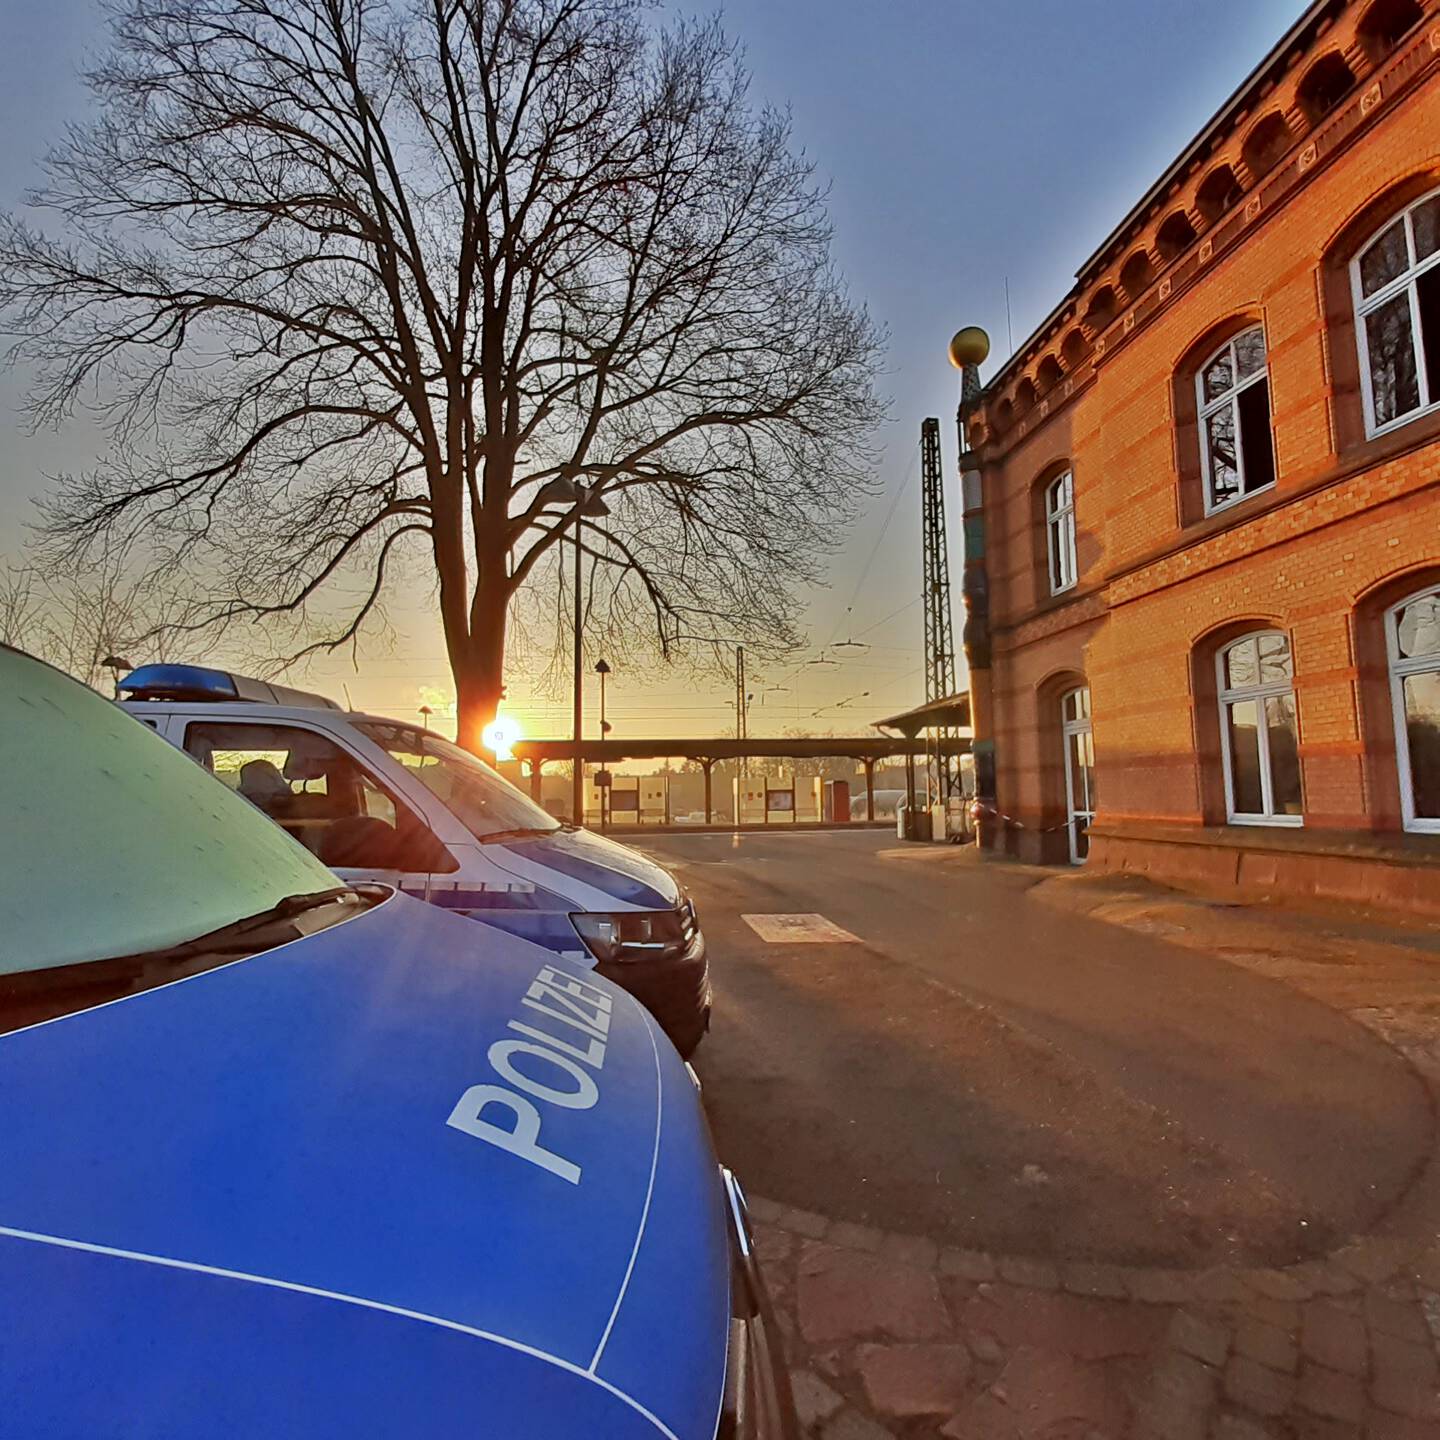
562, 1040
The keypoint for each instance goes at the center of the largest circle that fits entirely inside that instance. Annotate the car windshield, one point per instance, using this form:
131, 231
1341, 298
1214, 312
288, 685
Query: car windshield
486, 803
116, 843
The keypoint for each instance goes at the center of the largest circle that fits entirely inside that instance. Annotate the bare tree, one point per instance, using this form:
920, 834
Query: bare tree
352, 282
79, 619
19, 605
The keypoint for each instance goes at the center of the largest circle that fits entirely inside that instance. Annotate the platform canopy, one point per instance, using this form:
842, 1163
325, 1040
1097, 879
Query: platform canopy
864, 748
950, 712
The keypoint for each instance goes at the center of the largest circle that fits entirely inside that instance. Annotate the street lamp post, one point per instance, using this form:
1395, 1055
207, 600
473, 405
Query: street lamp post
741, 705
602, 670
587, 501
577, 782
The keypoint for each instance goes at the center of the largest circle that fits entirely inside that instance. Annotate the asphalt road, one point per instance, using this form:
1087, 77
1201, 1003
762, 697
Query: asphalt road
993, 1073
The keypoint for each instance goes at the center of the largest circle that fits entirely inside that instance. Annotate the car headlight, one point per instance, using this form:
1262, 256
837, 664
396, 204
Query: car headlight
637, 934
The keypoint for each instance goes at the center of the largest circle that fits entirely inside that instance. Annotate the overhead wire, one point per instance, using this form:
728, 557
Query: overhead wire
910, 471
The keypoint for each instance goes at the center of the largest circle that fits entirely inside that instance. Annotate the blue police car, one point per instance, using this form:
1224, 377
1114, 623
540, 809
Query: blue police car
378, 799
285, 1156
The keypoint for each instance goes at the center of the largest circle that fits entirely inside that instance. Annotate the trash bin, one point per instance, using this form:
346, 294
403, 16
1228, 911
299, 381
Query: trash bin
912, 824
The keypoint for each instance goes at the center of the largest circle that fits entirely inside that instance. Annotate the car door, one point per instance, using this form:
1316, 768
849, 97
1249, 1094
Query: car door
323, 795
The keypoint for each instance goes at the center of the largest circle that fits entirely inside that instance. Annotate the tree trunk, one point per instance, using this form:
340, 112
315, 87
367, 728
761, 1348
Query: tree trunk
476, 703
480, 672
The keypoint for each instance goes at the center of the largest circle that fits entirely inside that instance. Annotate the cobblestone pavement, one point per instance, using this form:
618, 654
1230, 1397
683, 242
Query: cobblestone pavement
892, 1335
889, 1335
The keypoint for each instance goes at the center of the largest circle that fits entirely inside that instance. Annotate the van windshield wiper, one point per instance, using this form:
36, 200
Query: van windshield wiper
523, 833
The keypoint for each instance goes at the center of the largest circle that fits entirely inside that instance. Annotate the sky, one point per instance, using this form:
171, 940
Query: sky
966, 144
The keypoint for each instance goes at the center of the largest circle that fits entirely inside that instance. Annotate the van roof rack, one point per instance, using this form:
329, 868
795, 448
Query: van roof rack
199, 682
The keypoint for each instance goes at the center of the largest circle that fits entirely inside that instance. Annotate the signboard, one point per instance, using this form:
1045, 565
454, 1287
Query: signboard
624, 800
780, 800
603, 779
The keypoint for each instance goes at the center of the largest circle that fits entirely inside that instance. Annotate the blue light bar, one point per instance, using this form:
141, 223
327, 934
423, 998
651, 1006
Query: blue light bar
199, 682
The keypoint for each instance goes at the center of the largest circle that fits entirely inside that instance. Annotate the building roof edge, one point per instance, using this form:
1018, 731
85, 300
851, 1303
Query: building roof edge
1312, 15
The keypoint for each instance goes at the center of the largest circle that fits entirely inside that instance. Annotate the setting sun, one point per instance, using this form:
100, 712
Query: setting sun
501, 734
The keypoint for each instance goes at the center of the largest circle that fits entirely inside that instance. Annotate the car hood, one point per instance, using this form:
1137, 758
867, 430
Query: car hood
592, 871
257, 1201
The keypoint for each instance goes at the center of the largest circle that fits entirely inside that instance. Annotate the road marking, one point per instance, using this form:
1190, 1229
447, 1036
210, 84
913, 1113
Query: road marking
799, 930
956, 853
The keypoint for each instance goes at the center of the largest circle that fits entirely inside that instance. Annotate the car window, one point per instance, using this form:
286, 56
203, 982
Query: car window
118, 843
478, 796
315, 790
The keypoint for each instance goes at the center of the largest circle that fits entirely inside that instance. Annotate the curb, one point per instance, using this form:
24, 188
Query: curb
1355, 1266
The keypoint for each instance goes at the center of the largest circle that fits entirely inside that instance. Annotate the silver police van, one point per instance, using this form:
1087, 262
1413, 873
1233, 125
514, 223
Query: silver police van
382, 800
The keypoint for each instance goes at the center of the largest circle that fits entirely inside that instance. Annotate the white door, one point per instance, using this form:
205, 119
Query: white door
1079, 771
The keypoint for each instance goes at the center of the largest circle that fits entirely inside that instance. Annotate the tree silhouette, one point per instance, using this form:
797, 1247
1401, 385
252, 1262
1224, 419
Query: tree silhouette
350, 282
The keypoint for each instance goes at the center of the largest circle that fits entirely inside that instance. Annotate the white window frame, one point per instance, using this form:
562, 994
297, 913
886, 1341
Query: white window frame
1082, 724
1230, 399
1367, 304
1229, 695
1060, 535
1399, 669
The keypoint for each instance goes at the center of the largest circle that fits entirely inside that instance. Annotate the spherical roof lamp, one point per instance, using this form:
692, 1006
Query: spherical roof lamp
969, 346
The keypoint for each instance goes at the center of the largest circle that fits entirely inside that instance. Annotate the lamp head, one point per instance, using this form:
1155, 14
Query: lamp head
969, 346
558, 491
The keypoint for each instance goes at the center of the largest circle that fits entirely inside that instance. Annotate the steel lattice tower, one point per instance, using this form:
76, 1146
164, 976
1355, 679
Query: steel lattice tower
943, 777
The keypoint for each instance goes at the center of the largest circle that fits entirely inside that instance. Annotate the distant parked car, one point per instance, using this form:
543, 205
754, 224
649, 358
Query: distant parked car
888, 803
381, 799
287, 1156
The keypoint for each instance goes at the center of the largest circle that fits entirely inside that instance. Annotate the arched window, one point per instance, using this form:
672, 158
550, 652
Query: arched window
1259, 736
1075, 350
1135, 275
1265, 144
1232, 390
1175, 236
1325, 85
1217, 193
1384, 25
1060, 531
1396, 283
1412, 635
1101, 310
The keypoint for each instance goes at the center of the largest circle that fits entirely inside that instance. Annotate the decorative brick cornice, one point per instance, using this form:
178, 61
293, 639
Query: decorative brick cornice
1378, 88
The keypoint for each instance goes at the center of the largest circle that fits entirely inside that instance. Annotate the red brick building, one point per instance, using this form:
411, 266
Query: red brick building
1211, 488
